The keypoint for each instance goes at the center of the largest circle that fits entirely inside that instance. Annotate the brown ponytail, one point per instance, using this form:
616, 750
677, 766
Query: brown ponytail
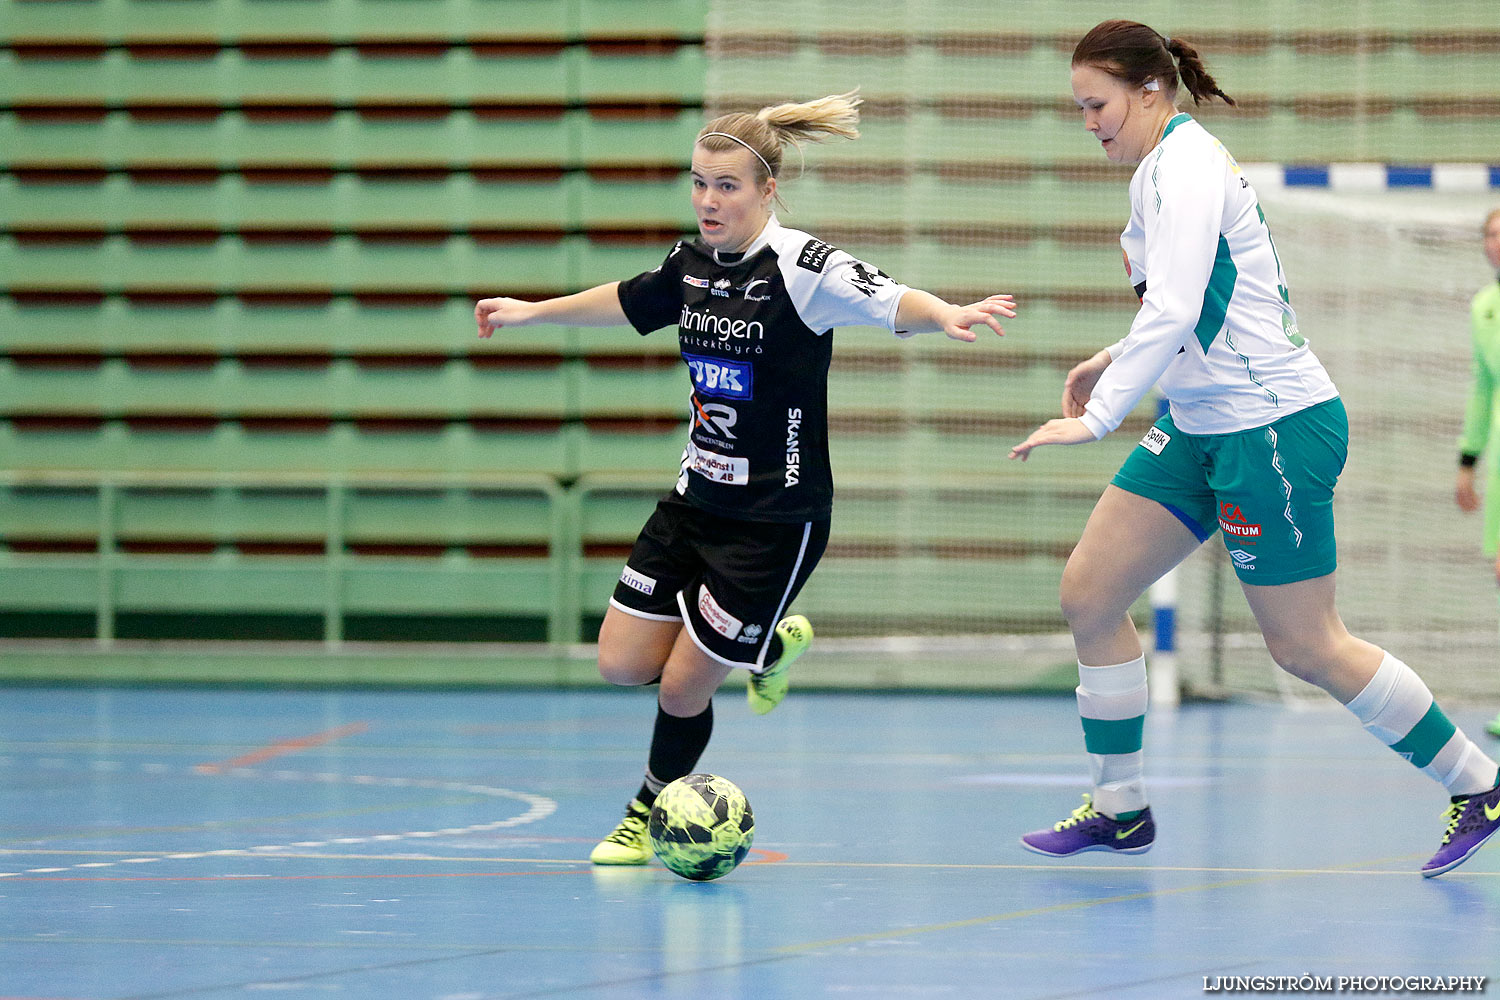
772, 128
1134, 53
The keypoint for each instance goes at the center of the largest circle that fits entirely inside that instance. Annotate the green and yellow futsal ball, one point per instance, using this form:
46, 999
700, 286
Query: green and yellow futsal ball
701, 826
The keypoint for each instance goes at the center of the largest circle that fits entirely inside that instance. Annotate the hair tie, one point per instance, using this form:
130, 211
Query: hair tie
1166, 42
742, 142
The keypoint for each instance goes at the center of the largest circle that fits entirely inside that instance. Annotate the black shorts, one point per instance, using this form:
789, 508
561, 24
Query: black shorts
728, 581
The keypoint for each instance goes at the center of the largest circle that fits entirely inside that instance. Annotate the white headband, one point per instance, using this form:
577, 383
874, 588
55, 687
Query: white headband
742, 142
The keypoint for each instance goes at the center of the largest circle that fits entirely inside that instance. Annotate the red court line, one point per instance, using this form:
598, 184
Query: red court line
284, 747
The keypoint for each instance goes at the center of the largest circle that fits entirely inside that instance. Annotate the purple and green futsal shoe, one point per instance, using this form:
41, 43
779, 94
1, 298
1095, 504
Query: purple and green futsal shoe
1472, 819
1087, 829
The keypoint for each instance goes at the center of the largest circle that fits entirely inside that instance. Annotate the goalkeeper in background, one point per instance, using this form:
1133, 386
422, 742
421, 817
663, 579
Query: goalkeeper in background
1484, 409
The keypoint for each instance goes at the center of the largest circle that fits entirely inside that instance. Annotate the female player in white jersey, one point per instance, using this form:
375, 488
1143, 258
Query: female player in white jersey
1252, 445
709, 580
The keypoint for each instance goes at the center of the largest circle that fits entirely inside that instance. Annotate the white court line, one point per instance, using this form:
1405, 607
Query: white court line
539, 807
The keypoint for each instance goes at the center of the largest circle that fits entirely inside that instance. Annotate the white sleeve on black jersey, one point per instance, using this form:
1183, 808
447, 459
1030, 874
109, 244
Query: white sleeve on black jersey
830, 288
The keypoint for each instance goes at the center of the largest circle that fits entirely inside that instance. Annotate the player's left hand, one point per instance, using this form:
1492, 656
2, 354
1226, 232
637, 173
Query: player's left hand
1063, 430
959, 321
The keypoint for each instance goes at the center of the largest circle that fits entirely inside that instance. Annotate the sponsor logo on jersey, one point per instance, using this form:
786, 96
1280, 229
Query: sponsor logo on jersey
1155, 440
722, 327
749, 290
793, 446
866, 278
718, 619
637, 581
814, 256
720, 288
720, 377
1233, 522
715, 418
688, 279
751, 633
716, 468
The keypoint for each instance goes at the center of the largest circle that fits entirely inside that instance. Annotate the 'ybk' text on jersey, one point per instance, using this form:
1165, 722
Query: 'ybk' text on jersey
754, 332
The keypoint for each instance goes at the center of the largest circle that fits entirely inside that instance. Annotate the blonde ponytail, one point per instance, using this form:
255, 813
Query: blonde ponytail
776, 126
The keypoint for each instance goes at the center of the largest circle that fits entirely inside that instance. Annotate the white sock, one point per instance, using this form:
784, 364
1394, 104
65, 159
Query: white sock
1399, 711
1112, 705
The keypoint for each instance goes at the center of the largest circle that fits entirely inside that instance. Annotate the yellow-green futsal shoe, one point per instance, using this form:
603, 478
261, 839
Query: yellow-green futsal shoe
766, 689
628, 844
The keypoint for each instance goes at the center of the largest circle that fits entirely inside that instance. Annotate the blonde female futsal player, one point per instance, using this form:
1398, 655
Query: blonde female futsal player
708, 583
1255, 438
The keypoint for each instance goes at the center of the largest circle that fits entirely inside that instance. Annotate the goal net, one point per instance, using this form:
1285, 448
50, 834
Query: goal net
1381, 279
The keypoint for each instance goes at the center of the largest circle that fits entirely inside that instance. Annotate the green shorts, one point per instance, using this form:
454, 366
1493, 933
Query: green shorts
1269, 490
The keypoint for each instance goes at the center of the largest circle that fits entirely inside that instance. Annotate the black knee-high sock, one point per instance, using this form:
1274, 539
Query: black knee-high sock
676, 745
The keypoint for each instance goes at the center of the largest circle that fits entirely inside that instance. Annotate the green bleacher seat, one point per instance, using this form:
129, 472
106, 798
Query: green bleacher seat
670, 76
116, 21
456, 516
456, 75
339, 263
445, 449
631, 387
621, 341
604, 19
48, 513
631, 448
231, 201
658, 137
341, 388
345, 325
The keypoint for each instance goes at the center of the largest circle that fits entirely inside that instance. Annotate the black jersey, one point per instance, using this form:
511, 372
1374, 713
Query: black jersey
755, 334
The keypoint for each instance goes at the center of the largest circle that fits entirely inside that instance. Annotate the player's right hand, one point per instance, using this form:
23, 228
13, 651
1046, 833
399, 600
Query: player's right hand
1464, 493
491, 314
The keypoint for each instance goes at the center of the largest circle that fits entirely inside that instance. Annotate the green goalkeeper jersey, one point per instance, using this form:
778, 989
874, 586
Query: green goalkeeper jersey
1480, 435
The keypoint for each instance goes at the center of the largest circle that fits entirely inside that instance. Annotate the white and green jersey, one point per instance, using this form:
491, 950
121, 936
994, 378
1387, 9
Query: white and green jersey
1216, 330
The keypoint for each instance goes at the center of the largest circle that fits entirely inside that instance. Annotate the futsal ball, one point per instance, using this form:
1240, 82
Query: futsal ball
701, 826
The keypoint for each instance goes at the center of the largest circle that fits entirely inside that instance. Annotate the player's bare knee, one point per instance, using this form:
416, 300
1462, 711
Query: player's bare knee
626, 670
1084, 607
683, 701
1304, 659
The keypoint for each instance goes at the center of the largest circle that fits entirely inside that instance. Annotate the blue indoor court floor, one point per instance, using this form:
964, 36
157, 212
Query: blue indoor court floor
421, 845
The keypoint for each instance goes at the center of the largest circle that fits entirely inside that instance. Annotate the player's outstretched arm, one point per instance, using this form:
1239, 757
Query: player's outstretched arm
597, 306
923, 312
1064, 430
